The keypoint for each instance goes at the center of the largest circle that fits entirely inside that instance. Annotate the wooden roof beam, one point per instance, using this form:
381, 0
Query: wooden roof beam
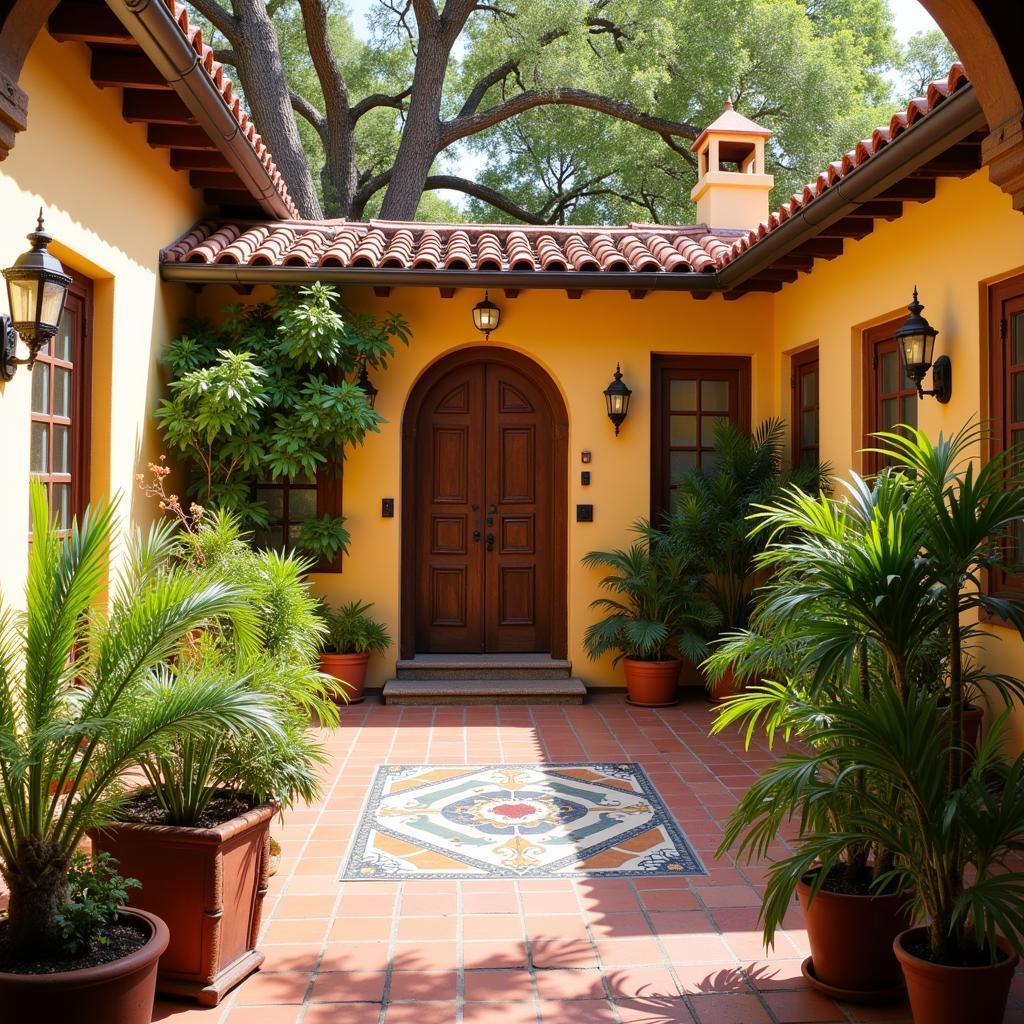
910, 190
155, 107
77, 21
172, 136
126, 70
848, 227
198, 160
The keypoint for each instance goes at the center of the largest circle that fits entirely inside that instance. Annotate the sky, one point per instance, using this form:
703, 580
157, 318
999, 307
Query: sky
909, 17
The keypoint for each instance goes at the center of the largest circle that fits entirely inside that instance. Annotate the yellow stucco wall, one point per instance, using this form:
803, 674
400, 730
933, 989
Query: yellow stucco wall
952, 248
578, 343
111, 203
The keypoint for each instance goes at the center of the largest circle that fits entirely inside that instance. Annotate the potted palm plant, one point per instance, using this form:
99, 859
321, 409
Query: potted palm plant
83, 695
350, 637
198, 834
862, 592
709, 519
657, 613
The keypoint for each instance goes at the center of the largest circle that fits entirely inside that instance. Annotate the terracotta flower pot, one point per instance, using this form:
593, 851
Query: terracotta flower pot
208, 884
120, 992
727, 686
350, 669
952, 995
851, 944
652, 684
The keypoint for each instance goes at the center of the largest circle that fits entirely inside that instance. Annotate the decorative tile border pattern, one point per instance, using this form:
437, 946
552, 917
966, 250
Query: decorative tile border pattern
575, 820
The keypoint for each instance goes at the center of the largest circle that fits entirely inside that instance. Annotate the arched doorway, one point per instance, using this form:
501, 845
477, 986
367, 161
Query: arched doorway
484, 500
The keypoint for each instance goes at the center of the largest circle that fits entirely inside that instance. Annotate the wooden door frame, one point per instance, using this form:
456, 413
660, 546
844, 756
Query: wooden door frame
560, 489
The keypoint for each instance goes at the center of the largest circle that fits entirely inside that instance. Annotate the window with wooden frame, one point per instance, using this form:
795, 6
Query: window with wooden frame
60, 404
890, 396
804, 408
289, 503
690, 394
1006, 363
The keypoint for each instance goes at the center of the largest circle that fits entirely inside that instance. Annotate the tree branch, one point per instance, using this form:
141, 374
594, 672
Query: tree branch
477, 93
483, 192
318, 41
223, 21
378, 99
226, 57
461, 127
305, 109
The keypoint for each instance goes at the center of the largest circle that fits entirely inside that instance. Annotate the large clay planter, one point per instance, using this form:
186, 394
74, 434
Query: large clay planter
955, 995
652, 684
350, 669
120, 992
208, 884
851, 944
727, 686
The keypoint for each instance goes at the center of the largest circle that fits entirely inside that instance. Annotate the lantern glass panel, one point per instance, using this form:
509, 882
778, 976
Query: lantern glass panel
53, 303
22, 295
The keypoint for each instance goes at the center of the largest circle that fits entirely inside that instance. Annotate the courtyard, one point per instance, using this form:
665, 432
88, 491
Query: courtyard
593, 951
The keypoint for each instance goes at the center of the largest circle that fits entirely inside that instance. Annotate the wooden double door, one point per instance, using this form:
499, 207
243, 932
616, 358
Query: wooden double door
488, 494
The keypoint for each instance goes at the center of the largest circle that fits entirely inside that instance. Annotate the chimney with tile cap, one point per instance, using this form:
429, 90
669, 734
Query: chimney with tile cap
732, 187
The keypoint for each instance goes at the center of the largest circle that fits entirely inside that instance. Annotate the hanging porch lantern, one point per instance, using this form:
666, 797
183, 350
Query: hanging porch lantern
486, 317
616, 397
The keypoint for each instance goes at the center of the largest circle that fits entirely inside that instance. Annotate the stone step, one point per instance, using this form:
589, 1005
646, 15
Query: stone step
484, 691
483, 666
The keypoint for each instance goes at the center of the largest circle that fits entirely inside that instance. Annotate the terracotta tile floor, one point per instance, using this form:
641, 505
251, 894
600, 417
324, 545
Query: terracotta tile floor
609, 951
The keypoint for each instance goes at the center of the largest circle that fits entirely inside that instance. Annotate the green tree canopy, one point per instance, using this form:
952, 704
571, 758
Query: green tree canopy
579, 111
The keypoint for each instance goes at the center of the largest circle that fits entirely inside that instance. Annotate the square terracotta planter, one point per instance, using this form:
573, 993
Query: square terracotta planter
208, 885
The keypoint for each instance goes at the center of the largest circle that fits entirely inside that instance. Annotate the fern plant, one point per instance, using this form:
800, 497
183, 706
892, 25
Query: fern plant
350, 630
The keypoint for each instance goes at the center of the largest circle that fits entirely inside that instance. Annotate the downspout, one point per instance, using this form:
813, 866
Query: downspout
152, 27
950, 122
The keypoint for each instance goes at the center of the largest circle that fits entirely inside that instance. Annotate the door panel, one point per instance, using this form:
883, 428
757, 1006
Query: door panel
485, 520
520, 484
449, 461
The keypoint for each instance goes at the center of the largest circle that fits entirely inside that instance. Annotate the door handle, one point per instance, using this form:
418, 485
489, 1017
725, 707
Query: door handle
490, 542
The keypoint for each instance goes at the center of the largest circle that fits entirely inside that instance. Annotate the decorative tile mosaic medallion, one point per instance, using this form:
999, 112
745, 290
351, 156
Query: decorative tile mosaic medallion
517, 821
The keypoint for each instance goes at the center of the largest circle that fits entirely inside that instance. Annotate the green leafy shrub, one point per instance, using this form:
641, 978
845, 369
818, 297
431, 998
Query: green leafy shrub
95, 894
349, 630
270, 393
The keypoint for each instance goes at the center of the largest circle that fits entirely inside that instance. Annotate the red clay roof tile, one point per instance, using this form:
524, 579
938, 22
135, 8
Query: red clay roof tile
631, 248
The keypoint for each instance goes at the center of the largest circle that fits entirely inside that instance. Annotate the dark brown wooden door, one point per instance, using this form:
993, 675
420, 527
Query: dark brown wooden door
484, 513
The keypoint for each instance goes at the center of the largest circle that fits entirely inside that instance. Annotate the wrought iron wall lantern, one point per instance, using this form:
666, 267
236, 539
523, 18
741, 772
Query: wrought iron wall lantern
486, 317
366, 386
916, 338
616, 397
36, 289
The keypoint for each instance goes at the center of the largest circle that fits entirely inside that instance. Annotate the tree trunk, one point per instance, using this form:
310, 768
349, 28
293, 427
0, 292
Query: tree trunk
421, 140
266, 90
38, 891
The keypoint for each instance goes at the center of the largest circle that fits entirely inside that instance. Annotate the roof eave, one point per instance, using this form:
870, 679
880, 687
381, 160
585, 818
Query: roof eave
953, 120
157, 34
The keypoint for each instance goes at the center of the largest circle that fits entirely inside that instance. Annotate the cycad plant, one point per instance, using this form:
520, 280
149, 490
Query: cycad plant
278, 666
85, 694
352, 630
658, 610
863, 590
709, 519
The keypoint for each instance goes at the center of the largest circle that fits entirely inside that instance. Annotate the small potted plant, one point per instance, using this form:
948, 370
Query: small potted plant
709, 521
656, 613
351, 637
83, 695
198, 834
